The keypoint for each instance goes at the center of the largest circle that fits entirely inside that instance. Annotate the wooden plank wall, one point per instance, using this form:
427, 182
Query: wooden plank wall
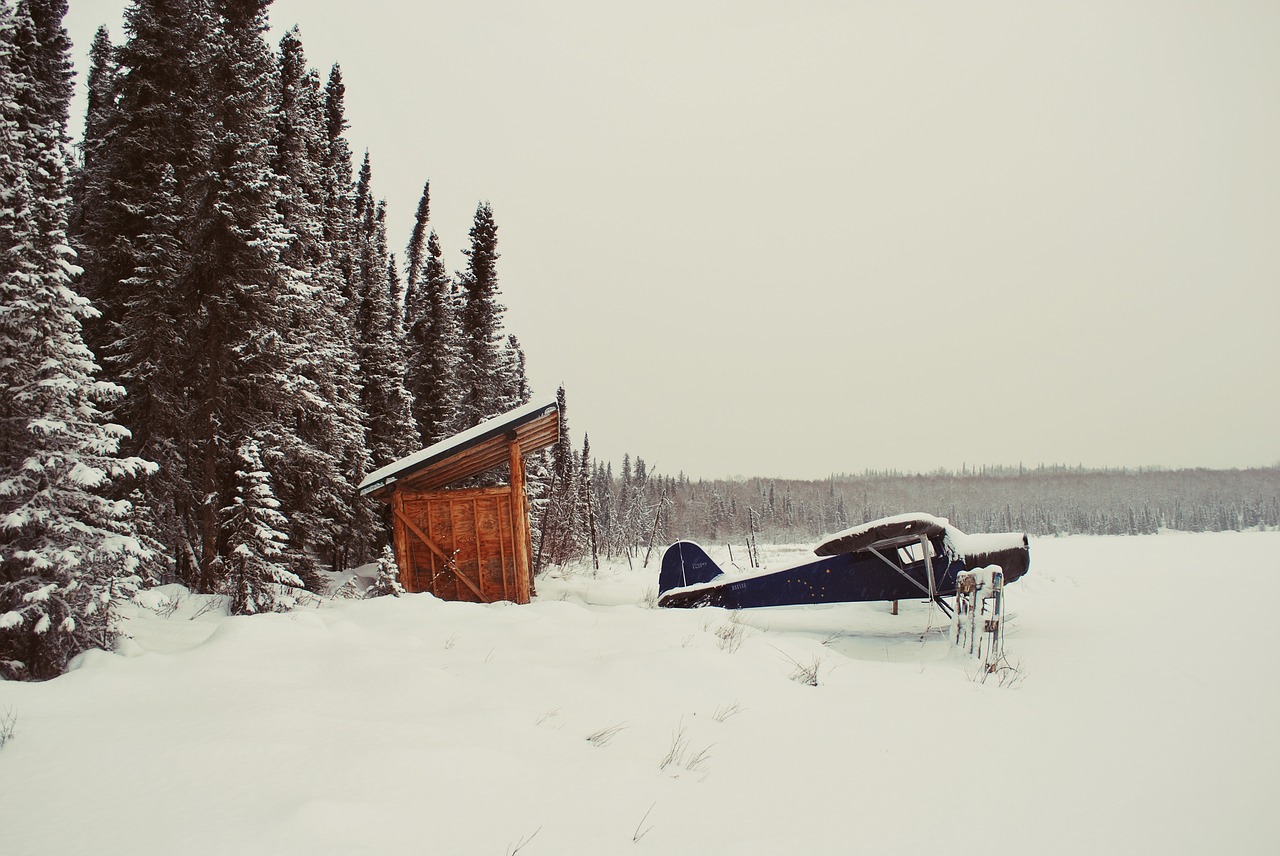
474, 530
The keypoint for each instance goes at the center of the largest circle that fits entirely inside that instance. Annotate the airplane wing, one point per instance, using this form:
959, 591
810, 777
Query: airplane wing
887, 532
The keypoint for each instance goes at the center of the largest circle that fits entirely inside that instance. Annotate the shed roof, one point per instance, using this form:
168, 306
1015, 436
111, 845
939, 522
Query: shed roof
535, 425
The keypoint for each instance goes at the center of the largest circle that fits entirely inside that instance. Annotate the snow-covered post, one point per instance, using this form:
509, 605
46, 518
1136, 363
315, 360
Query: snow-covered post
973, 590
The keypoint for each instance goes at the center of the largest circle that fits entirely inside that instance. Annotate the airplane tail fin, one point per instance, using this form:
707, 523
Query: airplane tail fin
686, 564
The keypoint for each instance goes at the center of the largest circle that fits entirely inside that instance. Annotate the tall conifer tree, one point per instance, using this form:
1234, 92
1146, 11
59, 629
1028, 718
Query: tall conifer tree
416, 252
391, 431
341, 274
239, 298
150, 141
324, 444
433, 349
480, 371
66, 550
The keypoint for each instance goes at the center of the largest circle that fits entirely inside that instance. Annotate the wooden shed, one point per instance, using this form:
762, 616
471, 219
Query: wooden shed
467, 543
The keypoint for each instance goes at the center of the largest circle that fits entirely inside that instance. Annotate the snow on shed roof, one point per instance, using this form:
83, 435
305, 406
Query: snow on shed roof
536, 426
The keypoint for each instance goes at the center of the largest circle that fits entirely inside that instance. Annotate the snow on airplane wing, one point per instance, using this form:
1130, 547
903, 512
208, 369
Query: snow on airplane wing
885, 532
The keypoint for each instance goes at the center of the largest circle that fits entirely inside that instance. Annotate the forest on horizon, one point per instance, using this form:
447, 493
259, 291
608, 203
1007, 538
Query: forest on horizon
637, 508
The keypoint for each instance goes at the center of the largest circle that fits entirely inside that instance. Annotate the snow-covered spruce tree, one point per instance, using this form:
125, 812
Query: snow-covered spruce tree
339, 198
101, 86
433, 348
324, 450
515, 385
602, 488
546, 493
388, 580
480, 371
560, 512
144, 150
255, 577
361, 541
395, 290
238, 305
390, 430
66, 551
586, 534
415, 254
150, 105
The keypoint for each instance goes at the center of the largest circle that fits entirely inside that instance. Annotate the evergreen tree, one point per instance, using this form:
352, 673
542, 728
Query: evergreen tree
515, 385
339, 283
255, 577
391, 432
586, 500
481, 376
388, 580
101, 88
339, 202
416, 252
151, 113
433, 349
368, 530
562, 451
395, 288
151, 140
324, 445
98, 117
239, 300
559, 519
67, 551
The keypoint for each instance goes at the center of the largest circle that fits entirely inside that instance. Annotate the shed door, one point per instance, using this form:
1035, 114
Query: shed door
473, 529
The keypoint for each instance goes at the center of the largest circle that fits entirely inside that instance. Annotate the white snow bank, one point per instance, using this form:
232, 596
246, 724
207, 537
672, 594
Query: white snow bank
410, 725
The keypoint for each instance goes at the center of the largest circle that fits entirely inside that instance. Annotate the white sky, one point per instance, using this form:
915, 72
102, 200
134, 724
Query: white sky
790, 239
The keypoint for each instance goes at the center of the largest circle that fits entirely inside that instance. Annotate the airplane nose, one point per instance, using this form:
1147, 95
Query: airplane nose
1014, 561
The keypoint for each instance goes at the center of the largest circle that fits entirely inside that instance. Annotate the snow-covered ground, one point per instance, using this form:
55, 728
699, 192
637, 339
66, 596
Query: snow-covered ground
1144, 720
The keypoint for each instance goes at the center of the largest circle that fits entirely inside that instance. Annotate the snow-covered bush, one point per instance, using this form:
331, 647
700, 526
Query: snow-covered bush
350, 590
388, 580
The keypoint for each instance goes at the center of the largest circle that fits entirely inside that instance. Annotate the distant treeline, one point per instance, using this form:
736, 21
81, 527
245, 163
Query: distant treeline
640, 508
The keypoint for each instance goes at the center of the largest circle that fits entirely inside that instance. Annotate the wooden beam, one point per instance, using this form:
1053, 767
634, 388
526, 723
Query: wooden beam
519, 522
479, 458
404, 554
502, 549
422, 496
447, 561
475, 531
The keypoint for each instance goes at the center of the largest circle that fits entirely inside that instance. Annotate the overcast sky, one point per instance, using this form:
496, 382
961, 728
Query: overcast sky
796, 238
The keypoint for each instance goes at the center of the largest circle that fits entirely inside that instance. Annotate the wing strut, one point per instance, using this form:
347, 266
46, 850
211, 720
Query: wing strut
931, 591
927, 549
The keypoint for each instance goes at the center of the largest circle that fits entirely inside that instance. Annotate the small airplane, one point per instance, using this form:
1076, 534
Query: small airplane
894, 558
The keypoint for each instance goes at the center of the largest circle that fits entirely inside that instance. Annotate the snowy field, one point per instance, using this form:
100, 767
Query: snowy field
1143, 719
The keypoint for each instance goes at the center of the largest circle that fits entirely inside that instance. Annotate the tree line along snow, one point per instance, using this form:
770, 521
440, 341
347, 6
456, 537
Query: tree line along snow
634, 508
